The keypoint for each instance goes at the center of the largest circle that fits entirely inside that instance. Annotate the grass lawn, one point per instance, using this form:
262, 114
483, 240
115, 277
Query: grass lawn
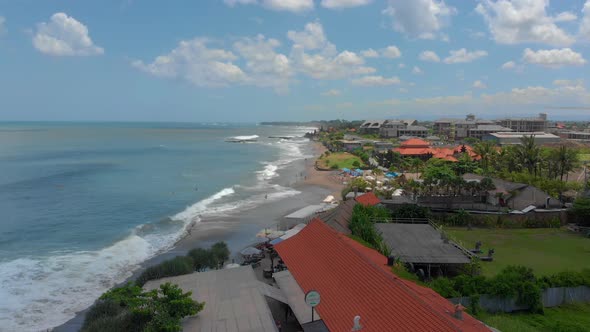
584, 156
572, 317
545, 250
342, 159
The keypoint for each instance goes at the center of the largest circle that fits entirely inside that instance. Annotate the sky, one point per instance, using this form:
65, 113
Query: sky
292, 60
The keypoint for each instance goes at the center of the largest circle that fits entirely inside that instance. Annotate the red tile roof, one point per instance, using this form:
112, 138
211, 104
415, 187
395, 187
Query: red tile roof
368, 199
415, 142
353, 280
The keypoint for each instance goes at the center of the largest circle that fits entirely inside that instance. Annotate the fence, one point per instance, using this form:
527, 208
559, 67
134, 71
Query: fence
550, 297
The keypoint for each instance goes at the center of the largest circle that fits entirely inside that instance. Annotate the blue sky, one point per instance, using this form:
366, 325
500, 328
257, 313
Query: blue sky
261, 60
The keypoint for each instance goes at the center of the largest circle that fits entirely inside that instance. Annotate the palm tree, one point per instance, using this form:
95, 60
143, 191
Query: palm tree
529, 153
566, 160
486, 151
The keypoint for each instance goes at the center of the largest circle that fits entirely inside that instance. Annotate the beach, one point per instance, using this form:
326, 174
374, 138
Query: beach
239, 229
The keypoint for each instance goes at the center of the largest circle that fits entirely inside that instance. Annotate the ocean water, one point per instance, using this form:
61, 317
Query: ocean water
84, 204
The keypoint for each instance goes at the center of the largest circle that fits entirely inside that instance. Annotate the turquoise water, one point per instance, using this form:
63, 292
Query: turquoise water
84, 204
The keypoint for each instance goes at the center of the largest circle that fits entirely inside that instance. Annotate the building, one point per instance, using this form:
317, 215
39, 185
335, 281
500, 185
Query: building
458, 128
538, 124
390, 128
509, 138
423, 246
575, 135
422, 149
415, 131
483, 130
234, 300
371, 127
357, 286
368, 199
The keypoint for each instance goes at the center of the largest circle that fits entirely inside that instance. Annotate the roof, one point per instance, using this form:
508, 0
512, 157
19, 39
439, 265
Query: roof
491, 127
368, 199
339, 217
517, 134
234, 300
415, 142
353, 281
420, 243
307, 211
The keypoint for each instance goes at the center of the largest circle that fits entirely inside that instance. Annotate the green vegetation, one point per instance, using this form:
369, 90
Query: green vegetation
129, 308
581, 211
340, 159
546, 251
571, 318
362, 226
198, 259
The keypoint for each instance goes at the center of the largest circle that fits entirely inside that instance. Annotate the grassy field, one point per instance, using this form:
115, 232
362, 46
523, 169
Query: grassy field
546, 250
573, 317
342, 159
584, 156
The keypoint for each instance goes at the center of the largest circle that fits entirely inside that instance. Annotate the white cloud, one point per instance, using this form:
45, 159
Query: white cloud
565, 17
462, 56
509, 65
524, 21
311, 38
419, 18
196, 63
64, 36
296, 6
391, 52
332, 93
446, 100
403, 90
289, 5
336, 4
265, 67
416, 70
232, 3
429, 56
2, 23
375, 81
401, 65
584, 32
479, 85
553, 58
370, 53
572, 93
325, 62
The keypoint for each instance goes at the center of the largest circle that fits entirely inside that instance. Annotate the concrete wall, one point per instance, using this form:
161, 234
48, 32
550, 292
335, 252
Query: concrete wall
551, 297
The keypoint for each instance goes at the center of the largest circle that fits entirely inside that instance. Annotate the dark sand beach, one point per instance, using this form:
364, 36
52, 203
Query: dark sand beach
239, 230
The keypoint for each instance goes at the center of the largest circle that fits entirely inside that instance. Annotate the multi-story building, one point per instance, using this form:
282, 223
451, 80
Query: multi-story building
510, 138
414, 131
538, 124
457, 128
390, 128
483, 130
371, 127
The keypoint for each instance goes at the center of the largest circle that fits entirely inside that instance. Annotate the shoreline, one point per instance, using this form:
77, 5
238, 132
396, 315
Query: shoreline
239, 229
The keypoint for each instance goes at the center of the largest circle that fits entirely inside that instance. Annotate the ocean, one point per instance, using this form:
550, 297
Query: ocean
84, 204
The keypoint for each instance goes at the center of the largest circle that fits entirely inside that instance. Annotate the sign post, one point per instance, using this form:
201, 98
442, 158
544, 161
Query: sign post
312, 298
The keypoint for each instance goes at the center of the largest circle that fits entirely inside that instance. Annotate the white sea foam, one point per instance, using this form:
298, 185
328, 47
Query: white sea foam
202, 206
245, 138
39, 293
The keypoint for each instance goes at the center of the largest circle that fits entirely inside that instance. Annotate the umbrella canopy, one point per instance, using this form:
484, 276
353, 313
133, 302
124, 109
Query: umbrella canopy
329, 199
250, 251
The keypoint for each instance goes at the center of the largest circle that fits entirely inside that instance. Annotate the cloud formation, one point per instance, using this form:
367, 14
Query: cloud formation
375, 81
331, 93
337, 4
2, 23
553, 58
391, 52
63, 35
422, 19
463, 56
479, 85
524, 21
429, 56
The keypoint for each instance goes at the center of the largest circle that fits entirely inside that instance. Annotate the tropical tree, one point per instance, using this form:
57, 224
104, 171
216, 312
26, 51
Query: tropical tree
565, 159
530, 154
486, 151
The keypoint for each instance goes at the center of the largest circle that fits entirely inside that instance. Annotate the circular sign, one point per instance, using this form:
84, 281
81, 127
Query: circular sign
312, 298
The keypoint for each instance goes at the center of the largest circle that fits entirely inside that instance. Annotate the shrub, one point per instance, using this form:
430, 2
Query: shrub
356, 164
220, 253
173, 267
157, 310
411, 211
444, 287
334, 166
202, 259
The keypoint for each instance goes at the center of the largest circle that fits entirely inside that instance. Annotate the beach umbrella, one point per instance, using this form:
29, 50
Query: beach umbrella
329, 199
274, 234
250, 251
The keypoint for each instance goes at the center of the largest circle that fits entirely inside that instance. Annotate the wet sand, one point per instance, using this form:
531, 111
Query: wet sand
239, 230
